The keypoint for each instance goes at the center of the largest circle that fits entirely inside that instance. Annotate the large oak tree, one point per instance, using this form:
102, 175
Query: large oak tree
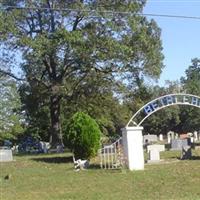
64, 42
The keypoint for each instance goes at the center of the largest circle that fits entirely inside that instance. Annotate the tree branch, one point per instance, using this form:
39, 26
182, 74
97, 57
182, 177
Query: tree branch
77, 20
46, 64
52, 18
5, 73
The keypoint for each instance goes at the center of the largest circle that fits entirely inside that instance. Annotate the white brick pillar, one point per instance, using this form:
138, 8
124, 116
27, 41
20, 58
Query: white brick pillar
133, 147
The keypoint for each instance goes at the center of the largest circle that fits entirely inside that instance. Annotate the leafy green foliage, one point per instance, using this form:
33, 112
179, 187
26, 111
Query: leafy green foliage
166, 119
10, 105
83, 136
35, 102
191, 84
96, 97
62, 46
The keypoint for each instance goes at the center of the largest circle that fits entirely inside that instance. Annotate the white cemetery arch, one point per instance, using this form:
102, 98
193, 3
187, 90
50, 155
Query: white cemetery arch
132, 133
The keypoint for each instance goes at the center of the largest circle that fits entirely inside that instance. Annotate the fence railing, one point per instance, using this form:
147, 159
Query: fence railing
111, 156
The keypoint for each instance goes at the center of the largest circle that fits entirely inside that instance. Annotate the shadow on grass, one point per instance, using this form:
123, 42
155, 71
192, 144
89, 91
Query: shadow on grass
68, 159
94, 166
113, 170
195, 158
192, 158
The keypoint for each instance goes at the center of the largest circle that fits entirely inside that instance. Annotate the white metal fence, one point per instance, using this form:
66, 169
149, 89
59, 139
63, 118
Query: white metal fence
111, 156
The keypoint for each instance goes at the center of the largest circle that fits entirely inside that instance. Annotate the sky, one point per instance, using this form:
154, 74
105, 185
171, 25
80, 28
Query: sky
180, 37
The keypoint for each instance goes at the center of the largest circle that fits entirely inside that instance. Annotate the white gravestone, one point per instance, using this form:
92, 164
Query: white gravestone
6, 155
45, 146
170, 136
168, 139
154, 152
161, 137
195, 136
191, 135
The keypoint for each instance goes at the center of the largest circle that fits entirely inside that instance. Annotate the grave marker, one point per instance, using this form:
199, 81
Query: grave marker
154, 152
6, 155
178, 144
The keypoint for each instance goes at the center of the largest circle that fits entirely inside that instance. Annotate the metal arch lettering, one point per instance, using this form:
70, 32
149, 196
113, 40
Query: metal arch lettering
163, 102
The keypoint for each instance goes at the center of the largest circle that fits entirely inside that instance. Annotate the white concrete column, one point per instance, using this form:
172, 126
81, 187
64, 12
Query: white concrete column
133, 147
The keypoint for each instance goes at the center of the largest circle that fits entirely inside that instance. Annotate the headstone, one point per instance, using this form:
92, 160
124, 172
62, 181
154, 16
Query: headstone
170, 136
15, 149
177, 144
168, 139
154, 152
191, 136
60, 149
195, 136
161, 137
154, 155
6, 155
158, 147
176, 135
186, 153
45, 146
150, 138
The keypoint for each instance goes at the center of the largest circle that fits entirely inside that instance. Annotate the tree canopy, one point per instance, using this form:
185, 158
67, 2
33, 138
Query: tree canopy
189, 116
66, 44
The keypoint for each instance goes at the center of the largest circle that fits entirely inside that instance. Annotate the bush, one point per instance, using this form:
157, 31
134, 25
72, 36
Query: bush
82, 136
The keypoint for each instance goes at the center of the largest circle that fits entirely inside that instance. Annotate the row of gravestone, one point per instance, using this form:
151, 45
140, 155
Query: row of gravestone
171, 136
155, 149
152, 138
31, 145
184, 145
27, 145
195, 136
176, 144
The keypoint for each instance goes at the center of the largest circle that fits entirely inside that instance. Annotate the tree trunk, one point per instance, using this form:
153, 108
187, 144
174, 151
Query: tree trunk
55, 132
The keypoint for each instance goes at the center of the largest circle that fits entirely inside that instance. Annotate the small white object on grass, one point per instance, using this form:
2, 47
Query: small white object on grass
80, 164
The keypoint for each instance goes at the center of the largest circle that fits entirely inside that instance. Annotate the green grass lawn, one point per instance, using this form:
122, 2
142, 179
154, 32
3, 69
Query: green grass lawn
51, 177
